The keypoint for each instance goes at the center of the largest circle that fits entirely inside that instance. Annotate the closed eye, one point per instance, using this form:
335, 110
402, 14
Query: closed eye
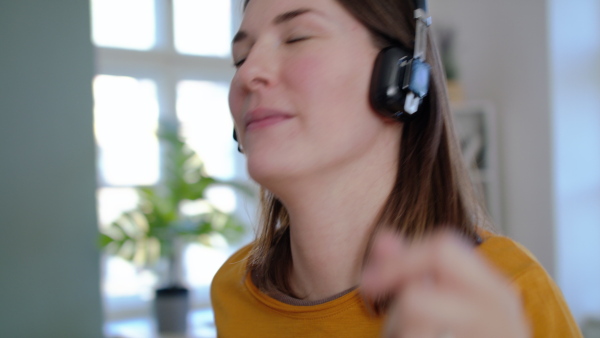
239, 63
297, 39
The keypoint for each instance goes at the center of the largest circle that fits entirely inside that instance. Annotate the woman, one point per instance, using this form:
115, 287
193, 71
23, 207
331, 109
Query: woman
369, 224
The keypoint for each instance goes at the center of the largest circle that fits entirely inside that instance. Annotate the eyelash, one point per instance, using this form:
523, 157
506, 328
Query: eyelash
298, 39
239, 63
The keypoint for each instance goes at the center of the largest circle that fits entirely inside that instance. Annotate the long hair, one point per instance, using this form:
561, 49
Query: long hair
432, 187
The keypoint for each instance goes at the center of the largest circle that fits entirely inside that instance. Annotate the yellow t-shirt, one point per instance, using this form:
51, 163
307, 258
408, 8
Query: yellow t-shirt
241, 310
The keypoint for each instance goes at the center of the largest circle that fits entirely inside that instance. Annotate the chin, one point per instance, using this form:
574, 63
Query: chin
267, 168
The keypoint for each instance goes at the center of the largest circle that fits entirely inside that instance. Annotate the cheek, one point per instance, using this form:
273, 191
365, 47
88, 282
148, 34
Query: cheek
233, 105
303, 72
323, 81
236, 100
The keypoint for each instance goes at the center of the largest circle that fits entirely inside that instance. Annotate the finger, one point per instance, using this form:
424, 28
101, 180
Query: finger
443, 257
411, 313
421, 308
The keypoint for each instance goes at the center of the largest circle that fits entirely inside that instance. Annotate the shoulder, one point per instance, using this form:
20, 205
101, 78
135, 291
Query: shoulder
234, 268
230, 298
543, 302
510, 257
240, 255
227, 287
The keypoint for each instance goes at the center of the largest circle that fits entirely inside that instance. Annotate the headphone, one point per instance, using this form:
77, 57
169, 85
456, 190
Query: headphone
400, 80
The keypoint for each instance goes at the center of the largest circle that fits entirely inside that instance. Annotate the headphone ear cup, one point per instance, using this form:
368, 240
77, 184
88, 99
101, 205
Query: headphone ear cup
387, 92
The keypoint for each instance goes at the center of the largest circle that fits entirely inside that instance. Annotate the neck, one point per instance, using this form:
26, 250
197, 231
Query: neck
331, 221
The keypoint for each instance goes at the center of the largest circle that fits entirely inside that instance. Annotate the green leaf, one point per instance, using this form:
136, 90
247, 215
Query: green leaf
184, 179
104, 240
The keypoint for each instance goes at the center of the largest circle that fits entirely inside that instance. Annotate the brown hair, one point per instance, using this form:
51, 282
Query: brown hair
432, 188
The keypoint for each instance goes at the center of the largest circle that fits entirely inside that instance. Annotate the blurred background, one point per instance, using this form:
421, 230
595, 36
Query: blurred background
86, 85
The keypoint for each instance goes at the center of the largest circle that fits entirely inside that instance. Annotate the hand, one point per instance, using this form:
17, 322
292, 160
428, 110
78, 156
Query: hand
441, 288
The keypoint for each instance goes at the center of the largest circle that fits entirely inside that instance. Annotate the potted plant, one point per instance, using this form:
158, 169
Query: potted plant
158, 229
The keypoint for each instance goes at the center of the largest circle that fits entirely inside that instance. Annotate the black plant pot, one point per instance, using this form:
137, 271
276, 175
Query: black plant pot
171, 307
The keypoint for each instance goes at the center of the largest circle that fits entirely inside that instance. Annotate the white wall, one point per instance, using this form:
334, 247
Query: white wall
49, 269
538, 63
502, 54
575, 87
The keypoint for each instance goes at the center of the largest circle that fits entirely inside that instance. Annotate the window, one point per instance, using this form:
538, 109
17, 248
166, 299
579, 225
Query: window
161, 62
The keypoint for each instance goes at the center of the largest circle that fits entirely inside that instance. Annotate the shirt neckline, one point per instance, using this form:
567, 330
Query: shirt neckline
321, 308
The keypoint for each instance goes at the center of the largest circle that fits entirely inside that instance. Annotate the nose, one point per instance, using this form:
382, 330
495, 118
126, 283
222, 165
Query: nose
259, 69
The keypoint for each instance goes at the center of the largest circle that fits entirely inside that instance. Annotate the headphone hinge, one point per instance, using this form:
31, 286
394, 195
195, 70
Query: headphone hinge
423, 23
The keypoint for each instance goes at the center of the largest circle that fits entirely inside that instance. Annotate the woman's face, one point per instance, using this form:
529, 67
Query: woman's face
299, 97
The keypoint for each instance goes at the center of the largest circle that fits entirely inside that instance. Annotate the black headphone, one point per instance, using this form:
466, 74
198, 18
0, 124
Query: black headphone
400, 80
238, 142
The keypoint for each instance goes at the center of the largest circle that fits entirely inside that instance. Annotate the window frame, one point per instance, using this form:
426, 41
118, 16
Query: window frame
166, 67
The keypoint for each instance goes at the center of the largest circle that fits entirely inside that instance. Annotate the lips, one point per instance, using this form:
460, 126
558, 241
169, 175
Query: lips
263, 117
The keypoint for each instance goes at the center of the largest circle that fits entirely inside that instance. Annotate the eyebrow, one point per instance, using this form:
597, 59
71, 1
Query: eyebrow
280, 19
